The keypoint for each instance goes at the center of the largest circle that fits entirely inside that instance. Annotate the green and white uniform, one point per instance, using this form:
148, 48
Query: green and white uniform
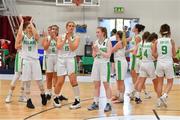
164, 60
31, 69
66, 64
133, 60
101, 65
18, 61
121, 64
147, 67
138, 57
51, 56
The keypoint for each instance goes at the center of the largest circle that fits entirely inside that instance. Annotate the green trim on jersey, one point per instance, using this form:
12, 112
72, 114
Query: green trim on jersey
155, 63
133, 62
16, 62
119, 70
108, 72
76, 66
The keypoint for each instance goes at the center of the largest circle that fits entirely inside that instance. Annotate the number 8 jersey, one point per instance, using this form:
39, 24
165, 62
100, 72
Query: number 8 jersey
164, 49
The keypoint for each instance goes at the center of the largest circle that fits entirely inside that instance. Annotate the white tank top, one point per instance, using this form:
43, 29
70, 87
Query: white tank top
133, 41
164, 49
29, 48
120, 54
65, 51
52, 50
147, 52
102, 47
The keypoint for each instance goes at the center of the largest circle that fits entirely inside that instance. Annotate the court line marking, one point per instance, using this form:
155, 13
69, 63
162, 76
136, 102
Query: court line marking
156, 114
53, 108
167, 109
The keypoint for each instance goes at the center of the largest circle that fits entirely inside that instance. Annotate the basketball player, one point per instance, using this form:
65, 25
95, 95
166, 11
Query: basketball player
101, 68
164, 50
49, 44
31, 69
147, 67
121, 64
113, 41
67, 65
17, 74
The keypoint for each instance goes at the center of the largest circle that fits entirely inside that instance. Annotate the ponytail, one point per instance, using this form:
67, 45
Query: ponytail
124, 41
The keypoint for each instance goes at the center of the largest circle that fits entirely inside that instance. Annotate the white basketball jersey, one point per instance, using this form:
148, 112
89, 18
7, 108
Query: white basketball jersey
29, 48
164, 49
102, 47
147, 52
52, 50
65, 51
120, 54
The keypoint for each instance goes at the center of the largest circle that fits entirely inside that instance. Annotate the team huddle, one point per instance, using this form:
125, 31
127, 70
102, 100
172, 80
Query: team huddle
150, 57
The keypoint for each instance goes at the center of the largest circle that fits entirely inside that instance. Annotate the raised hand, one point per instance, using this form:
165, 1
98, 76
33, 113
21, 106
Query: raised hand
21, 19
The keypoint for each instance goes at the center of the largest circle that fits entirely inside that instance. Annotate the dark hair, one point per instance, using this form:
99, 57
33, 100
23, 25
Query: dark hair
114, 31
165, 30
140, 27
145, 36
152, 37
104, 30
120, 34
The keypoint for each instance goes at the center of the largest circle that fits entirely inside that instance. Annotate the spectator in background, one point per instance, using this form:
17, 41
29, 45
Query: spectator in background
5, 43
113, 42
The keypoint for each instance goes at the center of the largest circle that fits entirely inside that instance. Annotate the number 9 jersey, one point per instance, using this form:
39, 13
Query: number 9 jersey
164, 60
164, 49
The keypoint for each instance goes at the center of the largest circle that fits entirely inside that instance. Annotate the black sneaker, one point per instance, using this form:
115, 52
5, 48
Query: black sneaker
30, 104
93, 106
56, 102
48, 96
61, 98
138, 100
44, 99
76, 104
107, 108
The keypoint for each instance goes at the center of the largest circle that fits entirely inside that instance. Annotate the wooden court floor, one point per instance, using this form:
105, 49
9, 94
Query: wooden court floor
17, 110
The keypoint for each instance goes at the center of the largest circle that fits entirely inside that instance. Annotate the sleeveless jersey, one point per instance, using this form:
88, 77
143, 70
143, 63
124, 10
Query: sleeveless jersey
29, 48
147, 52
102, 47
65, 51
52, 50
164, 49
120, 54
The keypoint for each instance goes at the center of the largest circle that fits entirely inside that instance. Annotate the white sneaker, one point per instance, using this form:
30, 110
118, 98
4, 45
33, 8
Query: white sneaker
164, 101
147, 95
159, 103
22, 99
132, 95
56, 102
8, 99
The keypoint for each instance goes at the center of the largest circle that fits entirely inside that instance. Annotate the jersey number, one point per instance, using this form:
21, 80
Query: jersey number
66, 48
53, 50
164, 50
29, 48
145, 53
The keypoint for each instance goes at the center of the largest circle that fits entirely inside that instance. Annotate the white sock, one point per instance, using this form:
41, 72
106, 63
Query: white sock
165, 95
76, 92
121, 95
49, 91
109, 101
96, 100
10, 92
137, 94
